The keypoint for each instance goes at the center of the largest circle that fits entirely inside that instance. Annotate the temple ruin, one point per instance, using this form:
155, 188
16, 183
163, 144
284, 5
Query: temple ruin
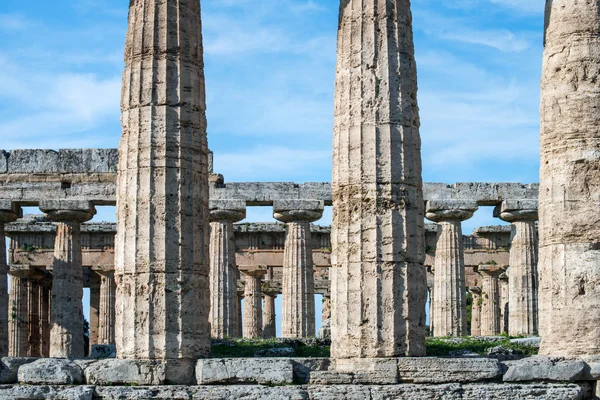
171, 273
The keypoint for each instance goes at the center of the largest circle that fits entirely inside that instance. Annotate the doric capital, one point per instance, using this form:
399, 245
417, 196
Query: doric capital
9, 211
450, 210
255, 273
298, 210
68, 210
227, 210
491, 269
517, 210
476, 290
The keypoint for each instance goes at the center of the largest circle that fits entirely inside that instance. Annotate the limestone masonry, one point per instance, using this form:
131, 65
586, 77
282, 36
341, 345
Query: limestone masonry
181, 267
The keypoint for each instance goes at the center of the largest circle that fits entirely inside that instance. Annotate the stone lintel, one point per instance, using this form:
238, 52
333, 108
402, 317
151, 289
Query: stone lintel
28, 272
491, 230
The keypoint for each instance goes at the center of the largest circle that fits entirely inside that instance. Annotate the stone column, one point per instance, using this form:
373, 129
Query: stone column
450, 303
8, 213
326, 308
66, 308
18, 317
504, 312
239, 321
161, 247
378, 281
33, 307
45, 320
95, 283
490, 295
106, 319
569, 257
523, 277
223, 270
253, 304
297, 282
476, 310
269, 317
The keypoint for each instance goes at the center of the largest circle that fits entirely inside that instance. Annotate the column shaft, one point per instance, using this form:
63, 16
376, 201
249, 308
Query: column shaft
269, 329
523, 280
378, 279
223, 281
4, 302
18, 317
95, 282
298, 289
326, 308
450, 303
253, 308
476, 313
45, 321
490, 307
34, 339
66, 315
240, 323
106, 320
161, 247
569, 257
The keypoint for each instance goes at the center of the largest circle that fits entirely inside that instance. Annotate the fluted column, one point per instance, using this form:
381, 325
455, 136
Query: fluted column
476, 310
297, 282
326, 308
33, 308
239, 321
18, 317
490, 295
223, 270
106, 320
66, 308
45, 320
95, 283
504, 312
161, 247
378, 280
569, 257
523, 277
269, 328
253, 304
450, 302
7, 214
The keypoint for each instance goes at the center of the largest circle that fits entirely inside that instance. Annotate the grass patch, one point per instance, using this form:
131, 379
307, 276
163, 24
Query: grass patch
444, 347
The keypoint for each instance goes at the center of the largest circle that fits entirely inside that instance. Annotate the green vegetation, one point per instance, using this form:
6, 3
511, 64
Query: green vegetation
235, 348
436, 347
444, 347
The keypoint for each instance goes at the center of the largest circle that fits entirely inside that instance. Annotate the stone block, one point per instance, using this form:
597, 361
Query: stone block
3, 162
71, 161
303, 367
51, 371
273, 371
365, 371
46, 392
253, 392
300, 205
104, 351
517, 205
544, 368
71, 205
529, 341
125, 372
9, 368
33, 162
448, 370
233, 205
447, 205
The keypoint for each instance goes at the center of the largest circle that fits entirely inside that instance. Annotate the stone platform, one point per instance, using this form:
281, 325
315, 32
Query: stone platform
300, 378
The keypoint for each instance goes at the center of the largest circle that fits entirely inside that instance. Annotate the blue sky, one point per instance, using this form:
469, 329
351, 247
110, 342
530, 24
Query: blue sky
270, 68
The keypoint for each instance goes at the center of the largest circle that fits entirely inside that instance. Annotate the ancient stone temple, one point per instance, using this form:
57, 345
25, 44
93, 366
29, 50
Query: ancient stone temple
569, 255
167, 280
378, 281
162, 300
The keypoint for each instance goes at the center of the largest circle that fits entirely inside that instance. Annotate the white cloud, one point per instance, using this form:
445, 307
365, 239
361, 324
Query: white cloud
14, 22
528, 6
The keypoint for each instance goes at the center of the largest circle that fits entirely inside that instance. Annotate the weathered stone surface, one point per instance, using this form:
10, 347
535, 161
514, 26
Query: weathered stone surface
126, 372
202, 393
529, 341
106, 319
448, 370
449, 391
377, 231
161, 259
449, 303
298, 292
303, 367
5, 217
19, 324
490, 294
51, 371
46, 392
274, 371
544, 368
9, 368
253, 304
103, 351
371, 371
569, 228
